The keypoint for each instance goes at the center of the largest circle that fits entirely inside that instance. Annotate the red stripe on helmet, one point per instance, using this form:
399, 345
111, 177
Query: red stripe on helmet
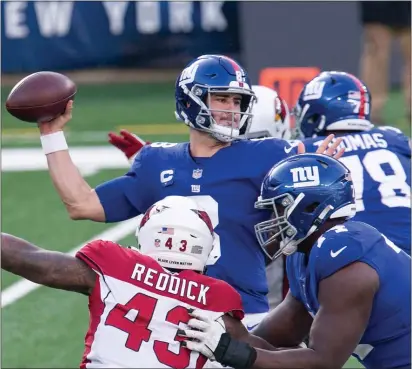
236, 68
235, 65
362, 90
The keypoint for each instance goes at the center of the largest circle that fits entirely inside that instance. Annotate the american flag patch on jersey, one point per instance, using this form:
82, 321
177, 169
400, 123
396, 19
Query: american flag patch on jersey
166, 230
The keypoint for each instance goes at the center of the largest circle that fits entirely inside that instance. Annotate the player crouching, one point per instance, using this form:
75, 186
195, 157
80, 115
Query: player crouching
137, 299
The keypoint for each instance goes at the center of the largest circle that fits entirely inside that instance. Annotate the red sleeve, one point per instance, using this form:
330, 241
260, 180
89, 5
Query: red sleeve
102, 256
226, 299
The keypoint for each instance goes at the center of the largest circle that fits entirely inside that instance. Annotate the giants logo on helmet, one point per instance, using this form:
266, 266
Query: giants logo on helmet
305, 177
313, 90
188, 75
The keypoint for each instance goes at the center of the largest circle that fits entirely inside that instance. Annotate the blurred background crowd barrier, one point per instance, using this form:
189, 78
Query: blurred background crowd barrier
78, 34
74, 35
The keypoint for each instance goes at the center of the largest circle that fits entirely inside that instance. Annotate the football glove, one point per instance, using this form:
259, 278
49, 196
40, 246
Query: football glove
208, 336
129, 143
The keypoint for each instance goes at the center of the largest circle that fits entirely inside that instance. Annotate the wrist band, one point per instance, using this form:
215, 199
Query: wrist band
235, 354
53, 142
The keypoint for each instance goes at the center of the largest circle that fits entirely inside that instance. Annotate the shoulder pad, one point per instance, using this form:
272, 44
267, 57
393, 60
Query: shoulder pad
335, 249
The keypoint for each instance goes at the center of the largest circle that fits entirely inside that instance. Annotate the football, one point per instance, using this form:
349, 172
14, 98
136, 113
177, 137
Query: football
40, 97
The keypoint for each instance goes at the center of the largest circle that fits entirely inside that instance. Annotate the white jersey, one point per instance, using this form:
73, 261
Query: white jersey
137, 306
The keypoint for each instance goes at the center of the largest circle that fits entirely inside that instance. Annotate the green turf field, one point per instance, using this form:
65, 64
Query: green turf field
45, 329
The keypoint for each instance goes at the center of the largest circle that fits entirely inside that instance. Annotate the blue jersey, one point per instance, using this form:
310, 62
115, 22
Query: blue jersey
226, 185
386, 342
380, 163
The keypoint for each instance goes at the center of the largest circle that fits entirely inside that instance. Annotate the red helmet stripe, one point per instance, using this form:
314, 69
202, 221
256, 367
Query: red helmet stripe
235, 65
362, 90
205, 217
236, 68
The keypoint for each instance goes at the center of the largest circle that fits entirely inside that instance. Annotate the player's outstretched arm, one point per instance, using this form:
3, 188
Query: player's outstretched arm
112, 201
237, 330
287, 325
49, 268
80, 199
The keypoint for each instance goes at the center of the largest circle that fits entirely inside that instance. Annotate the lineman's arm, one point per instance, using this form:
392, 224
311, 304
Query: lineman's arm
346, 300
238, 330
49, 268
287, 325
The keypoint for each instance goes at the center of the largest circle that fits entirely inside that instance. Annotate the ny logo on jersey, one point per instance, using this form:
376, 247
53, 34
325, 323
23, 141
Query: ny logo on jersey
305, 177
313, 90
195, 188
188, 75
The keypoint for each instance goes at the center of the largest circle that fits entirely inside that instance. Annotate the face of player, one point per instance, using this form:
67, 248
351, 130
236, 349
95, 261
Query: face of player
225, 109
275, 245
277, 234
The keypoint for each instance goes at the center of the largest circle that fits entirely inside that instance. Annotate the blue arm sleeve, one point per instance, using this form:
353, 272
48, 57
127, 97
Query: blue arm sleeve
113, 195
127, 196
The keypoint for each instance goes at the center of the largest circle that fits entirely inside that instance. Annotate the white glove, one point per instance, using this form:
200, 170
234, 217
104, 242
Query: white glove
205, 334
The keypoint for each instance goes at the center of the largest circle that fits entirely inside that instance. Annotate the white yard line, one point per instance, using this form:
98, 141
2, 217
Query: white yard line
23, 287
89, 159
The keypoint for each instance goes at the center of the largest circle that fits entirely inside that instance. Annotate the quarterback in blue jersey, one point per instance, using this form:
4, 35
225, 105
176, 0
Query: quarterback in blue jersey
350, 286
271, 118
378, 158
223, 174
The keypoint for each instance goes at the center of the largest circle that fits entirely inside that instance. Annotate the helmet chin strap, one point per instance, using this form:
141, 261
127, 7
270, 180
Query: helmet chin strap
222, 138
321, 124
319, 220
292, 245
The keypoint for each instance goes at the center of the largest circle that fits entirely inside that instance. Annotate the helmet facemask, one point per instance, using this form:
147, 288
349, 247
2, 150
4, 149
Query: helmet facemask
314, 124
278, 235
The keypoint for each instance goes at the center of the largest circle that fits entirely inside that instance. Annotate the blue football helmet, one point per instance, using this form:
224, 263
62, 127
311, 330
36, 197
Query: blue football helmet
333, 101
209, 74
302, 192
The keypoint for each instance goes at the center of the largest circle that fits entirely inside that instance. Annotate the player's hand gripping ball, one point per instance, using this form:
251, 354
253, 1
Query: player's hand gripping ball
40, 97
